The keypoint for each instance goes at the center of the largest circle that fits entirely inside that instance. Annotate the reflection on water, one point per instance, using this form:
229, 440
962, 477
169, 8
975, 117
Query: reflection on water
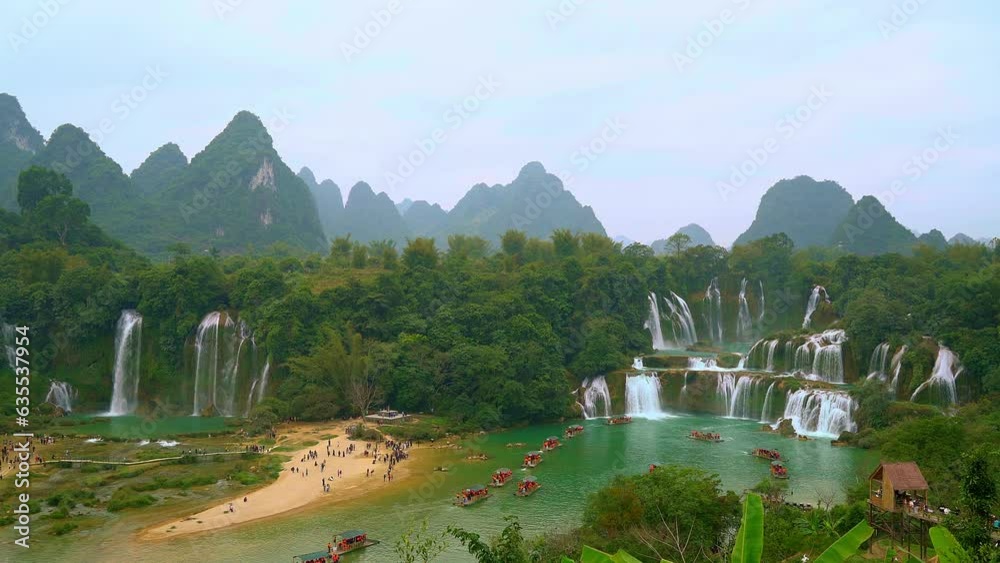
568, 474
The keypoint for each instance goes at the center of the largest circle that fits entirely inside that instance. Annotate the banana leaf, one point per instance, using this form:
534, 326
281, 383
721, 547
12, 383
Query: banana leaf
947, 547
750, 539
847, 545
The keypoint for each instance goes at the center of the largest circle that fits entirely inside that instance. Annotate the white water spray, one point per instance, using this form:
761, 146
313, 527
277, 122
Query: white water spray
61, 394
713, 310
819, 292
652, 323
642, 397
744, 324
941, 383
596, 398
820, 413
128, 345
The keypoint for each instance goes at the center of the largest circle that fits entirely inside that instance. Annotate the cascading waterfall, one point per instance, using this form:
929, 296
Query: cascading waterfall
820, 413
227, 367
814, 303
761, 303
206, 361
738, 395
263, 379
878, 364
702, 364
61, 394
896, 365
821, 356
637, 363
653, 323
744, 324
789, 357
767, 403
642, 396
128, 345
596, 398
9, 338
761, 354
681, 321
684, 389
713, 310
771, 347
941, 383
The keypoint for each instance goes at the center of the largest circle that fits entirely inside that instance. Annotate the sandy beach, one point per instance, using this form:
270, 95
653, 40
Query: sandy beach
294, 490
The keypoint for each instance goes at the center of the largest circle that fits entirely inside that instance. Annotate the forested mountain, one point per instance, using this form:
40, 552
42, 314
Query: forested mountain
934, 239
424, 219
535, 202
236, 193
697, 234
961, 238
160, 169
369, 217
804, 209
329, 201
19, 142
869, 230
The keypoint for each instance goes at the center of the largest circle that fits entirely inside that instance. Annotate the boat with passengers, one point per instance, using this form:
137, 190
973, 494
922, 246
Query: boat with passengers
501, 476
573, 431
343, 543
527, 486
705, 436
626, 419
763, 453
532, 459
472, 495
550, 444
779, 471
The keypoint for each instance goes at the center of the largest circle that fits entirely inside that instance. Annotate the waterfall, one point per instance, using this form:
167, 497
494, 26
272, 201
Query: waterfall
767, 403
653, 323
259, 385
737, 395
895, 365
128, 345
814, 303
713, 310
877, 365
681, 322
761, 354
820, 413
206, 361
789, 358
637, 363
61, 394
9, 338
947, 368
596, 399
744, 324
821, 356
702, 364
642, 396
684, 389
761, 302
263, 379
771, 346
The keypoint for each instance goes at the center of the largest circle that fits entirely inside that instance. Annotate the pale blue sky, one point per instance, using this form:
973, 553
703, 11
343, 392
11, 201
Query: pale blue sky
557, 81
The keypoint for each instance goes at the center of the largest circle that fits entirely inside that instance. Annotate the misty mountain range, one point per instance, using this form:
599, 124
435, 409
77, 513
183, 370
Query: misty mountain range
238, 194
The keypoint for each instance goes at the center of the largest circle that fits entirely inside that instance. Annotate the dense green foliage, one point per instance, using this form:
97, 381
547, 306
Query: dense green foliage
869, 229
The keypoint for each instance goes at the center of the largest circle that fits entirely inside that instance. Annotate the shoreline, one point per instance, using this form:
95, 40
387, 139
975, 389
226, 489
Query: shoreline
294, 490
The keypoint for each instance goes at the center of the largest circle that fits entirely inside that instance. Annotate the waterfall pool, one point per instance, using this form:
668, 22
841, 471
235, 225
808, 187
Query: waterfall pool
581, 466
137, 428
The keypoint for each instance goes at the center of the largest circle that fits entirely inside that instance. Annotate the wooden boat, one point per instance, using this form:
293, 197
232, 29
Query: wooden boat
532, 459
501, 476
619, 420
779, 471
550, 444
705, 436
343, 543
769, 455
528, 486
573, 431
472, 495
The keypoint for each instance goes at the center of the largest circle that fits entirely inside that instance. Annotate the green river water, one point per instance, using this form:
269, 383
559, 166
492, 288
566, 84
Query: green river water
580, 466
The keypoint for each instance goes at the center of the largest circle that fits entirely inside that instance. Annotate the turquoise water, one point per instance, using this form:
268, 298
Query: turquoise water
582, 465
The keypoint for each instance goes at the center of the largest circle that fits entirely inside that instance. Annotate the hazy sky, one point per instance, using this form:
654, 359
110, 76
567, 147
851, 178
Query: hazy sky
887, 81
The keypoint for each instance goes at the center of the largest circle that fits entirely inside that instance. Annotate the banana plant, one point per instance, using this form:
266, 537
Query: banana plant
947, 547
591, 555
847, 545
750, 539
